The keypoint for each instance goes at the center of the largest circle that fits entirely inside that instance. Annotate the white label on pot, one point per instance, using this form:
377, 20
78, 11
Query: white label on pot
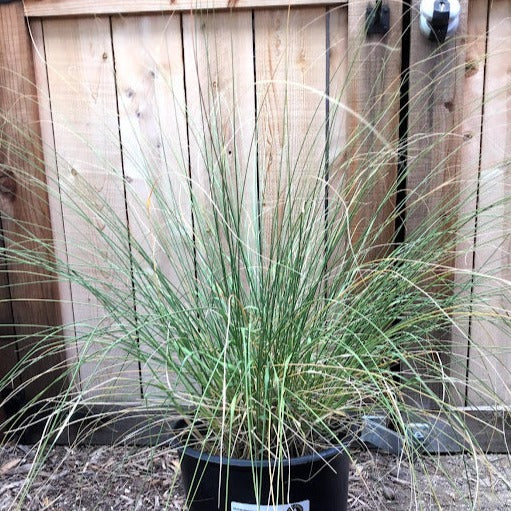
304, 505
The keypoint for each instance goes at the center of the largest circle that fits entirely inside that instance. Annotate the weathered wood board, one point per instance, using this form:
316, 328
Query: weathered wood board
489, 378
373, 135
290, 57
434, 114
473, 98
152, 120
54, 199
337, 132
434, 144
8, 346
25, 210
81, 86
218, 54
36, 8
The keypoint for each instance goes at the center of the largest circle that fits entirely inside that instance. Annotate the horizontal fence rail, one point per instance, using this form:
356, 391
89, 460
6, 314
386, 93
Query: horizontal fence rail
40, 8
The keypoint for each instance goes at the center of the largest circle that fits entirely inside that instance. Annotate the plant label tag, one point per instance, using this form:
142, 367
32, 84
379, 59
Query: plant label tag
304, 505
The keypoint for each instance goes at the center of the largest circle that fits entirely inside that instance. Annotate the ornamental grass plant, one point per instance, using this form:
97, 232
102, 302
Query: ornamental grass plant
275, 299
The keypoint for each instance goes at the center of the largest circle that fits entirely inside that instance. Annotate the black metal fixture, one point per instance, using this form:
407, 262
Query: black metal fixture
377, 18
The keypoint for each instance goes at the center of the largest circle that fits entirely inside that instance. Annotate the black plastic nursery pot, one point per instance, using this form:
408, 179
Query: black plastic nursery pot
318, 482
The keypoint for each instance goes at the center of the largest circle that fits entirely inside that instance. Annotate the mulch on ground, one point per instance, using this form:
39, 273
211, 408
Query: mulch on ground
130, 478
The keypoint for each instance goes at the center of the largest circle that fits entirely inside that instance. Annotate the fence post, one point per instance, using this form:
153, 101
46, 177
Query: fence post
24, 206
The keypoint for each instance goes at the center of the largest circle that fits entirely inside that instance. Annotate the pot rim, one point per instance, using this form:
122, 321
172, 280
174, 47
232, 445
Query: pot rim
244, 463
205, 456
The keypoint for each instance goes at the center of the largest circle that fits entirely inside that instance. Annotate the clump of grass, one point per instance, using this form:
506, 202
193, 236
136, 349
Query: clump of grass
272, 312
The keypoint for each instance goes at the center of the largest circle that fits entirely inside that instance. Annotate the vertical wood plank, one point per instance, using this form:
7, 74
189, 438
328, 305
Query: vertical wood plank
434, 138
50, 164
490, 354
8, 355
338, 79
337, 118
83, 99
24, 203
221, 115
436, 79
290, 50
8, 345
473, 95
152, 113
373, 135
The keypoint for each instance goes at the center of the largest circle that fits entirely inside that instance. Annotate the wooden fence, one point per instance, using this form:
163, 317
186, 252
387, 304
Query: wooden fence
111, 78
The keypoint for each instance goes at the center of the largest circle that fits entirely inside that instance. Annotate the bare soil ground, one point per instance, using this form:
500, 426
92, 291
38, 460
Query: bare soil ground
128, 478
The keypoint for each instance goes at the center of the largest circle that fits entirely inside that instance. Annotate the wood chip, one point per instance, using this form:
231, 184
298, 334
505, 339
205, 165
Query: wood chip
388, 493
7, 467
